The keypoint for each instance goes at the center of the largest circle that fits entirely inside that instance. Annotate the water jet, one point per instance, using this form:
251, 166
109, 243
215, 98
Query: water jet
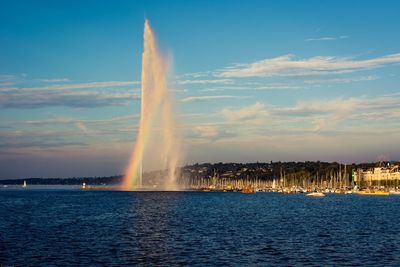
158, 140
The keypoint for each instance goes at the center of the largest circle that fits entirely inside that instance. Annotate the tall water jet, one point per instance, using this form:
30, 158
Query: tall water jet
158, 140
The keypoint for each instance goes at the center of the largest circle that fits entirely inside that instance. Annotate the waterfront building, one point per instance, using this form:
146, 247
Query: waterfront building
377, 175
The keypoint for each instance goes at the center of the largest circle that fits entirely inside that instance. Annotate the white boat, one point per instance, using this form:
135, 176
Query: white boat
24, 185
315, 194
394, 192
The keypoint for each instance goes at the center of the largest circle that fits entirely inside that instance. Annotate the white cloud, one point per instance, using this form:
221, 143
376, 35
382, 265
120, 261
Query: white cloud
245, 113
318, 107
207, 130
91, 94
328, 38
211, 97
225, 88
90, 85
215, 81
193, 75
60, 80
319, 115
64, 120
82, 126
179, 91
343, 80
252, 88
7, 77
17, 98
289, 65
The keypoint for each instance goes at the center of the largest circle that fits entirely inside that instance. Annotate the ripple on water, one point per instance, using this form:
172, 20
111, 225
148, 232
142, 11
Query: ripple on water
126, 228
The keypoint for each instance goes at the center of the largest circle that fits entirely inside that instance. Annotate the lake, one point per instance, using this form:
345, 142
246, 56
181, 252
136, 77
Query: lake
109, 228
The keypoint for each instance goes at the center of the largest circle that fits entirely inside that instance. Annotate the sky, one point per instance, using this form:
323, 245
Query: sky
251, 81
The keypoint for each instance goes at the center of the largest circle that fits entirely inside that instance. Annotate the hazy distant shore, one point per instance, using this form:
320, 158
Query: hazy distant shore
263, 171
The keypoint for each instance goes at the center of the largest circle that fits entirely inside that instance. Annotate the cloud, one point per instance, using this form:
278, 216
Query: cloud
211, 97
305, 108
66, 121
323, 115
179, 91
290, 86
224, 88
194, 75
245, 113
90, 85
7, 80
215, 81
82, 126
207, 130
343, 80
60, 80
6, 84
7, 77
327, 38
289, 65
31, 99
40, 140
80, 134
320, 116
253, 88
93, 94
40, 144
361, 111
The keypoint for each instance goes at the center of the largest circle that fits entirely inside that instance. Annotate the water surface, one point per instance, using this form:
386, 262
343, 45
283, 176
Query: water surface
74, 227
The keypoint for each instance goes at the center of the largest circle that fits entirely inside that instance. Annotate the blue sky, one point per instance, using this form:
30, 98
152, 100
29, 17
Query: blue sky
252, 81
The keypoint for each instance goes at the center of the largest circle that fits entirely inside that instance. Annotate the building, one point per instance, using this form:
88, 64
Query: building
383, 175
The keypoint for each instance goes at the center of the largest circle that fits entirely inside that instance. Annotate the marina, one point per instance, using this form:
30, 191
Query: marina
373, 181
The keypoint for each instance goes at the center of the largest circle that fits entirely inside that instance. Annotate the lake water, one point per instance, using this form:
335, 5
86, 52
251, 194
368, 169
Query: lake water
106, 228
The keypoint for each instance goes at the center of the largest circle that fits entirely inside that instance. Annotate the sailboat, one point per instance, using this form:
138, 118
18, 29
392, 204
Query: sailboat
24, 185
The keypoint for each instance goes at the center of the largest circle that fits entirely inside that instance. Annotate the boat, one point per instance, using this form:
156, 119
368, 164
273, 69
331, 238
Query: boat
24, 185
394, 192
315, 194
249, 190
373, 193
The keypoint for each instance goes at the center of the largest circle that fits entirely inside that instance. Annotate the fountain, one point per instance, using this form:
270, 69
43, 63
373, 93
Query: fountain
158, 140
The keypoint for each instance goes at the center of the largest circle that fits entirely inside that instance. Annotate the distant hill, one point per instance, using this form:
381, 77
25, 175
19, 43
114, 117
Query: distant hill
66, 181
257, 170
